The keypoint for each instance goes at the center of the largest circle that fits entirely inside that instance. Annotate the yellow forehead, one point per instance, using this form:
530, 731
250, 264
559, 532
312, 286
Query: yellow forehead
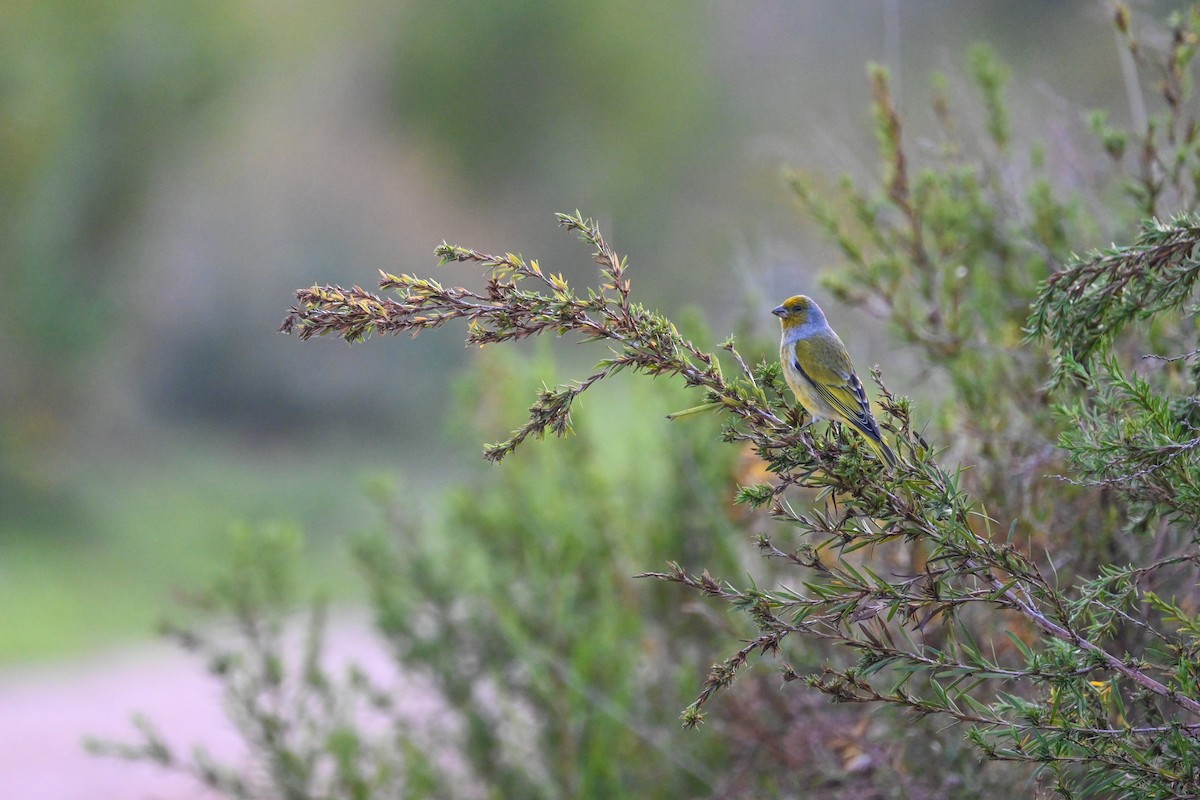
797, 303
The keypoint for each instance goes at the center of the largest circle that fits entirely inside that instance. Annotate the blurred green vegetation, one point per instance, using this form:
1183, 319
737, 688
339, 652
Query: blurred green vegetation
143, 281
529, 594
556, 668
95, 103
514, 603
90, 97
514, 609
609, 103
142, 530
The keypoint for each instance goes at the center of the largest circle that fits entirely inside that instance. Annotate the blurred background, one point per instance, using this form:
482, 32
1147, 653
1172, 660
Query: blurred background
170, 173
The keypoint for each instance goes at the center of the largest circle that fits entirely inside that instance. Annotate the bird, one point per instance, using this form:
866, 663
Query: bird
818, 370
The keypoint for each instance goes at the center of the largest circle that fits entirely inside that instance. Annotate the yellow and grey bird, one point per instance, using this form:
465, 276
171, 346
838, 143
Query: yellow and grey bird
817, 368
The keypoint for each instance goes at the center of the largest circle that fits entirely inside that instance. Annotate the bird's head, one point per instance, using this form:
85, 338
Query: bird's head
797, 311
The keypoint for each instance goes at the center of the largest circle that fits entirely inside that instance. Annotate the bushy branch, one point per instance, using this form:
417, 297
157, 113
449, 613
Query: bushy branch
1082, 310
887, 620
638, 339
1086, 666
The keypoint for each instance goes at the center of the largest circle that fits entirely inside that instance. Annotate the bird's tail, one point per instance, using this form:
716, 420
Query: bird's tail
875, 441
881, 449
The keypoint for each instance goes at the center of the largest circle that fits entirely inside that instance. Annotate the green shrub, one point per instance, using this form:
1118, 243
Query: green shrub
1051, 618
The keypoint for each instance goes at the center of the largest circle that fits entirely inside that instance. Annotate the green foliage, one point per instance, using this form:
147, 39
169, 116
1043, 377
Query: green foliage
1159, 158
1084, 310
602, 69
991, 76
525, 613
950, 253
79, 132
88, 98
312, 732
151, 522
557, 672
646, 342
1053, 620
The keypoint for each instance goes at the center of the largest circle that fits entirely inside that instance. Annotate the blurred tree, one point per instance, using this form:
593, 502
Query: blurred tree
603, 101
90, 97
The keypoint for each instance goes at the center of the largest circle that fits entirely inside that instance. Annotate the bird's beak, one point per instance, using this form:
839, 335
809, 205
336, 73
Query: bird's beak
779, 311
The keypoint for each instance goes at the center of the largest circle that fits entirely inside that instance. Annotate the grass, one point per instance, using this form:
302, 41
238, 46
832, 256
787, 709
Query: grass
137, 529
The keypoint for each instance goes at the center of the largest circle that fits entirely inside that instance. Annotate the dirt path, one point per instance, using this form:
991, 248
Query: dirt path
45, 713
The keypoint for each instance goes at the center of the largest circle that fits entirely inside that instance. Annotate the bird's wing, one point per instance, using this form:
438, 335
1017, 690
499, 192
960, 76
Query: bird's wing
824, 363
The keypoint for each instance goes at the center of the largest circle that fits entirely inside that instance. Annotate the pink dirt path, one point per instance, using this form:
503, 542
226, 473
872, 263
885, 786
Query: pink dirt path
45, 713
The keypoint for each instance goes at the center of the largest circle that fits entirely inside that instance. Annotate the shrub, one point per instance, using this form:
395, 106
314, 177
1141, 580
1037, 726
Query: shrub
1053, 619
